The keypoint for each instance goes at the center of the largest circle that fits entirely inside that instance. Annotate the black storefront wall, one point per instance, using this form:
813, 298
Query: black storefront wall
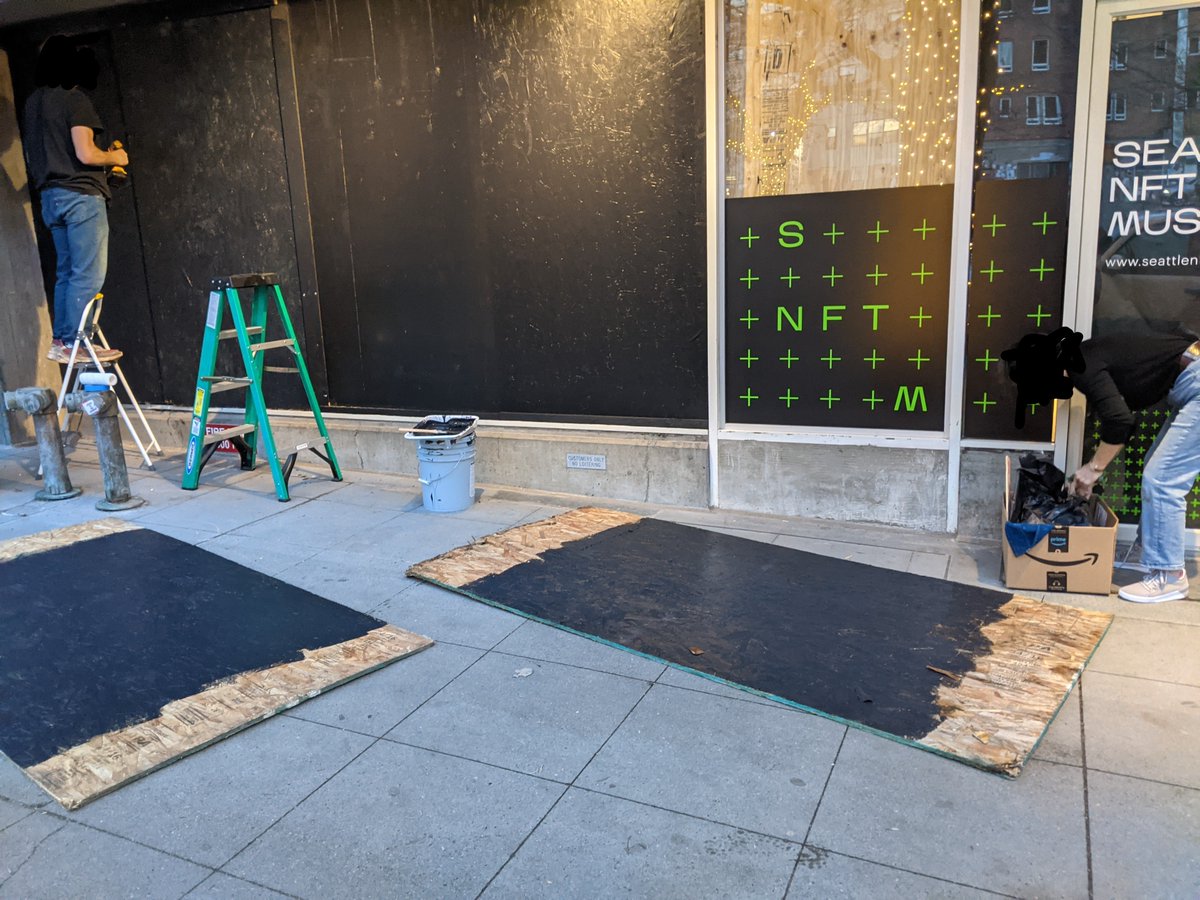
196, 101
506, 201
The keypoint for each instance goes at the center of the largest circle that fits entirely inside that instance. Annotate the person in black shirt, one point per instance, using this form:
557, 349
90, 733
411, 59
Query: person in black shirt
68, 170
1120, 375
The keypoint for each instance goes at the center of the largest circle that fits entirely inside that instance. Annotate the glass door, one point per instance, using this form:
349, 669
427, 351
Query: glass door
1139, 226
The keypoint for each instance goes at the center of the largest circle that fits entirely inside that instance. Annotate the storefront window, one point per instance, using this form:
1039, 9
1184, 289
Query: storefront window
1024, 141
833, 97
841, 121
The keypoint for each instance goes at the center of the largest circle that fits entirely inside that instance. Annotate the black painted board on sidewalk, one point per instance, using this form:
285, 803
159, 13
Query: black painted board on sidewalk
103, 633
847, 639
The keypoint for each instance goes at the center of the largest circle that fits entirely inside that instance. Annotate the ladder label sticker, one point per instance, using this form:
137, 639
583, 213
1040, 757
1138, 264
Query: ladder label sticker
198, 406
195, 425
214, 303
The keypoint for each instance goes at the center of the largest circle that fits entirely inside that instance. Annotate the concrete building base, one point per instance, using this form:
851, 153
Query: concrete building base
890, 486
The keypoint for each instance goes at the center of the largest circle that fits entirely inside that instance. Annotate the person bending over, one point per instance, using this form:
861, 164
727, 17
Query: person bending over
1119, 375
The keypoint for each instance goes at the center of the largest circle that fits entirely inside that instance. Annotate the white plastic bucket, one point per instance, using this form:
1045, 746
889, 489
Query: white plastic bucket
447, 475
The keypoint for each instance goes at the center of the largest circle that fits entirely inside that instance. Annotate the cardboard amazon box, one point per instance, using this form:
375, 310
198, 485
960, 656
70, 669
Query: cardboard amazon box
1073, 559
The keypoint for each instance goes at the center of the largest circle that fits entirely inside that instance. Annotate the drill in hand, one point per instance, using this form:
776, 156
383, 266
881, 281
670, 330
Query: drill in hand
117, 174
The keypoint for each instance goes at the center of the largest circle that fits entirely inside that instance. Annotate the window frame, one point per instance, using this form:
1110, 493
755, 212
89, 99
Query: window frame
1034, 65
1000, 64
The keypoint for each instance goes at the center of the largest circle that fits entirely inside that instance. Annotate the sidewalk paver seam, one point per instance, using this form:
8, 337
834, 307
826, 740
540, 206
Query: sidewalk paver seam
298, 803
334, 774
265, 887
32, 852
28, 812
895, 868
566, 789
816, 809
1087, 817
559, 662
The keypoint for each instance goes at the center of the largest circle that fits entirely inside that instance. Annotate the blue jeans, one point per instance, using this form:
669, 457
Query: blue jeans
1170, 470
79, 225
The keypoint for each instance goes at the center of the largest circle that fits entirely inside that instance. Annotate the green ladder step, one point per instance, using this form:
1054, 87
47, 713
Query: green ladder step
256, 425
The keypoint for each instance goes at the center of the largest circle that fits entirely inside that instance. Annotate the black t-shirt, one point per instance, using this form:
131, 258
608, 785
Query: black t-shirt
50, 113
1126, 373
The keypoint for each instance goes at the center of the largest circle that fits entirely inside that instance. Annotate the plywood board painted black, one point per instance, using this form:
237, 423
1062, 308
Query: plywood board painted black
155, 620
962, 670
508, 203
202, 107
166, 650
836, 312
195, 99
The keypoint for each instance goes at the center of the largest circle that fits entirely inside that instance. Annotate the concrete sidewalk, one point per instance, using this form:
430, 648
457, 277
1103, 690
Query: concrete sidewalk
602, 773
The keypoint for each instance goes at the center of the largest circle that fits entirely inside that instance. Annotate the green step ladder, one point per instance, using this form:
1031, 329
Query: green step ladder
256, 425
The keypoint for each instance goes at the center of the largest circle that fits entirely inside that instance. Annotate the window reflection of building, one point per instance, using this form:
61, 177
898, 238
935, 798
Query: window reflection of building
1033, 48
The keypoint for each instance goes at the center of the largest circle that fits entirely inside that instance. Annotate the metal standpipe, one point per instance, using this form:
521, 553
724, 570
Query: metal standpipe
41, 405
102, 407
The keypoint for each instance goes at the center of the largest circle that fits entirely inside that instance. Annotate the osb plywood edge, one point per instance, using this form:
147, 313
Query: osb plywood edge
995, 715
83, 773
62, 537
504, 550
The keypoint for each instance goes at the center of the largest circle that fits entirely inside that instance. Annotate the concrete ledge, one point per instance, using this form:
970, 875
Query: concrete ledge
648, 467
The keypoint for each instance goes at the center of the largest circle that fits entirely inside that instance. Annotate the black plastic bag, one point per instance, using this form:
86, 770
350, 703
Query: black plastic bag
1042, 497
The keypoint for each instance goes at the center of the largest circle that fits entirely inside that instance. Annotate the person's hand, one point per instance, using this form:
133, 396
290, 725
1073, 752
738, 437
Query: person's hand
119, 157
1084, 480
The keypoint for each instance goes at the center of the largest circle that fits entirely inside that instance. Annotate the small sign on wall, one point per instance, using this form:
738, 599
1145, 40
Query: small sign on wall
587, 461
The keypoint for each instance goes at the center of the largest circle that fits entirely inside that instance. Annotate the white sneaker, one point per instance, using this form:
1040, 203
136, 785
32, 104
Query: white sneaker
1158, 586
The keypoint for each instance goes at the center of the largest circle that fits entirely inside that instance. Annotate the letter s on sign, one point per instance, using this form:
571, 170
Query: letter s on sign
1126, 154
793, 231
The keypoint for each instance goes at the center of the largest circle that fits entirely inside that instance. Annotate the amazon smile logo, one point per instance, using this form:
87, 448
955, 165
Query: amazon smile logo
1089, 559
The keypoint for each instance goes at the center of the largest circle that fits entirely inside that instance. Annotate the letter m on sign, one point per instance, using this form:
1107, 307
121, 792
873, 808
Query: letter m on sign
911, 399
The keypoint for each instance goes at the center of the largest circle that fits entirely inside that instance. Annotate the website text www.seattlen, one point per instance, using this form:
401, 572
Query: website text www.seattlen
1151, 262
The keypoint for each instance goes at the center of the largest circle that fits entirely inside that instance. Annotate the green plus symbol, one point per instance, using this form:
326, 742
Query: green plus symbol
749, 237
789, 359
829, 399
921, 317
922, 274
877, 274
984, 403
748, 319
830, 358
872, 399
874, 359
749, 278
833, 276
924, 229
877, 231
833, 234
994, 225
1039, 315
788, 398
918, 359
1044, 223
748, 397
1041, 269
789, 277
988, 316
748, 358
987, 359
991, 271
